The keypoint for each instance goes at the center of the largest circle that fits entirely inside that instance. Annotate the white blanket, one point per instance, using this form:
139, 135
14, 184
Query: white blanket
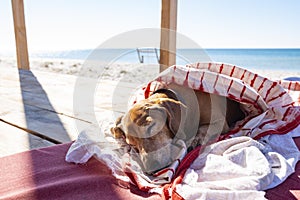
240, 168
236, 168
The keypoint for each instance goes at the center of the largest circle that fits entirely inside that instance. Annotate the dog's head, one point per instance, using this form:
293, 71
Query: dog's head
150, 127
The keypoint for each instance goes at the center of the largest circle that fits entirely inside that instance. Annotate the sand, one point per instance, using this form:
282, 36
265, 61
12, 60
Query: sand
128, 72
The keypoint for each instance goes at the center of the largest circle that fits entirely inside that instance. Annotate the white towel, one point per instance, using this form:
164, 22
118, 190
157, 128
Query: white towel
240, 168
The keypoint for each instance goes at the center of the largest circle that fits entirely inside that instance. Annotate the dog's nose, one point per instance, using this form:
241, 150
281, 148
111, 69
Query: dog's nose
130, 140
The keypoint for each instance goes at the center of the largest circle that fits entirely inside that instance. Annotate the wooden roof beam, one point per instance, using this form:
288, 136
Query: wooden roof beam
168, 34
20, 34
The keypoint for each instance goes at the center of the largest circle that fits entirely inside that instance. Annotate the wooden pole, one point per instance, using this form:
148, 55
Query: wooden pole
20, 34
168, 34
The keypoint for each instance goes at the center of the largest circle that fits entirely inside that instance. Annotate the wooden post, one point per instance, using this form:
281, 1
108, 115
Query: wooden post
20, 34
168, 33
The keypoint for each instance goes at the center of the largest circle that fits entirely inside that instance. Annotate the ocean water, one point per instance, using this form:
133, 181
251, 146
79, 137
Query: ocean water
274, 59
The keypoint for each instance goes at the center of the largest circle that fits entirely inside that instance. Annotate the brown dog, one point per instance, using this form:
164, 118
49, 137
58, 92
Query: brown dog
175, 113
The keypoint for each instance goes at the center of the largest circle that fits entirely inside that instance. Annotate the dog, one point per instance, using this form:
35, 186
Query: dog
154, 125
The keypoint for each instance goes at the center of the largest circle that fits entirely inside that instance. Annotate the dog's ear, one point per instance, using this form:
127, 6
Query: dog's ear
176, 112
116, 131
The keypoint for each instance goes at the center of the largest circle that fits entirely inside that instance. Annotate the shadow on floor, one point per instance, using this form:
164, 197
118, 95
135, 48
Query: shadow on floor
41, 118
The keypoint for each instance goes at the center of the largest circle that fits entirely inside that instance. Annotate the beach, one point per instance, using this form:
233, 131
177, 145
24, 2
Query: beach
128, 72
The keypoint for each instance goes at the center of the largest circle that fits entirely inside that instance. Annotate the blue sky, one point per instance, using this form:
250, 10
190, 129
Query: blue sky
82, 24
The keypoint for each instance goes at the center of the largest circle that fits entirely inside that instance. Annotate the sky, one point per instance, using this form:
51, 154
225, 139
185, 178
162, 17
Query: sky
54, 25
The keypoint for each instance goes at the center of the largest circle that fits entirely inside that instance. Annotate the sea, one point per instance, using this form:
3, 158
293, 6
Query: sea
269, 59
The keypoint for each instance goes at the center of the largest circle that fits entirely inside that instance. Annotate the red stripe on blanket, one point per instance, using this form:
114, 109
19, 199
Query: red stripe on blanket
229, 86
243, 74
262, 84
280, 82
147, 90
243, 91
257, 98
187, 161
267, 122
240, 127
253, 80
276, 97
209, 66
269, 90
286, 114
169, 190
231, 73
201, 82
134, 179
287, 105
297, 86
215, 83
243, 100
281, 130
186, 80
184, 165
221, 68
164, 171
173, 79
289, 87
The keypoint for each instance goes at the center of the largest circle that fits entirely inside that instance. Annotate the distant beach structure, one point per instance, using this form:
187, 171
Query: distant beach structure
147, 52
268, 59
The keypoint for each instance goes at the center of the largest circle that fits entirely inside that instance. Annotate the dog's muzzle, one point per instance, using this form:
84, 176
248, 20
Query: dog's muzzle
156, 160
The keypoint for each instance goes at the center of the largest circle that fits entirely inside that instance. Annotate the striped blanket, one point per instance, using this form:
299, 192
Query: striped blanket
272, 109
267, 102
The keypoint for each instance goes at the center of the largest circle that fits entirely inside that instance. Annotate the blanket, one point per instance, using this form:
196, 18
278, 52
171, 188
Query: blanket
257, 154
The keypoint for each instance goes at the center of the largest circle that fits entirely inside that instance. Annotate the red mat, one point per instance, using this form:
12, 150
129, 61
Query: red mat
44, 174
